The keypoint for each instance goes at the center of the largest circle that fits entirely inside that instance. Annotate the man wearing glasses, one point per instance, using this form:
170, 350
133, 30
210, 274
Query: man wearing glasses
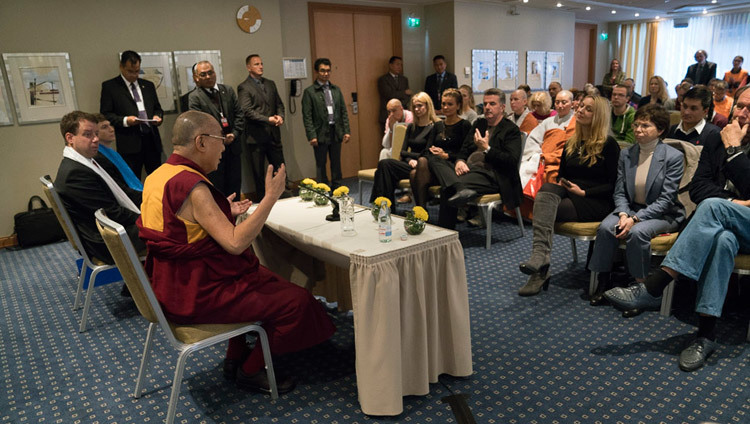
548, 138
219, 101
622, 114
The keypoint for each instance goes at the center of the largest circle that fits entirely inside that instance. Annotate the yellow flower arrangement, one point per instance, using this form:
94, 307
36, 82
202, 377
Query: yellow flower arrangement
322, 187
379, 201
308, 182
341, 191
420, 213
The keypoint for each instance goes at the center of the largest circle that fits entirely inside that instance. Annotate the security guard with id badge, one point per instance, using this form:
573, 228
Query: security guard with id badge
220, 101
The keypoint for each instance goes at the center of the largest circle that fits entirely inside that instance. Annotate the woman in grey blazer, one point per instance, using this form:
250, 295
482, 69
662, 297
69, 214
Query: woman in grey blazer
648, 178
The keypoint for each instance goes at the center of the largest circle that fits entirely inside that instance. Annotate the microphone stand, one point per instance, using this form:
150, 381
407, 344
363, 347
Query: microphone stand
334, 216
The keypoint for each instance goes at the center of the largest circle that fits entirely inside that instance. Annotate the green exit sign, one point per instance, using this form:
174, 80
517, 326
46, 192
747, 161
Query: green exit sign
413, 22
604, 36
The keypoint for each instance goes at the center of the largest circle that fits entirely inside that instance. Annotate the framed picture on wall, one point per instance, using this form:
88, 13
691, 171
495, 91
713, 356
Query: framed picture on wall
483, 70
507, 70
535, 70
6, 117
41, 85
184, 61
554, 67
158, 67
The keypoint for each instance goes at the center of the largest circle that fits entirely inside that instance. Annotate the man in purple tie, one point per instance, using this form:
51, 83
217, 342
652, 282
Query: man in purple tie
131, 105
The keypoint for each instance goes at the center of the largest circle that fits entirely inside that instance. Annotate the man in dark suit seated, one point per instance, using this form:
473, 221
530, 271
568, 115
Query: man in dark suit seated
84, 186
702, 71
718, 231
263, 112
435, 84
219, 101
393, 85
131, 105
492, 150
693, 126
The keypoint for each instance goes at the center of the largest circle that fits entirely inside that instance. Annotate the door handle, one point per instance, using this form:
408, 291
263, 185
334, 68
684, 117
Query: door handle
355, 106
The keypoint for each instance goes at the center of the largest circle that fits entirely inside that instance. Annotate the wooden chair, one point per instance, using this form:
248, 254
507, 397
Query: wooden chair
399, 134
185, 339
96, 266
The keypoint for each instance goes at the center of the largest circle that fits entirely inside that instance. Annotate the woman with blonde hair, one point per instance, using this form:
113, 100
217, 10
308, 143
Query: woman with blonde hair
419, 134
586, 181
468, 109
541, 106
657, 92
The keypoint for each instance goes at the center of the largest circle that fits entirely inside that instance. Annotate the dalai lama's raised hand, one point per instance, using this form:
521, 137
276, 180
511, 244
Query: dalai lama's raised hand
238, 207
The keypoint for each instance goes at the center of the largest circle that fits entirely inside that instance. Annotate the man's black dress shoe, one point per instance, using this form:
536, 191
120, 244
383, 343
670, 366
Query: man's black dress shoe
462, 197
695, 355
258, 382
230, 368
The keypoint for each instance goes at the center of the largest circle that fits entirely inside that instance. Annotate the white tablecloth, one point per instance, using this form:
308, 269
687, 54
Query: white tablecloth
410, 300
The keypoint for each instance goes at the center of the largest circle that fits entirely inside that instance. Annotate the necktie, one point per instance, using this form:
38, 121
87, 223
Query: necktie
329, 103
141, 110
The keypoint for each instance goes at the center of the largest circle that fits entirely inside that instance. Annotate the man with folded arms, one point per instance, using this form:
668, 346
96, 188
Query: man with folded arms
718, 230
201, 266
84, 186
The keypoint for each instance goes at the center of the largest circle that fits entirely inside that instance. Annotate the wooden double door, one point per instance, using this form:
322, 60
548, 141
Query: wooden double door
359, 41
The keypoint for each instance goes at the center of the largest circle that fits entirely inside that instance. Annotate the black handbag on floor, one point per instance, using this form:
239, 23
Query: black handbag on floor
37, 226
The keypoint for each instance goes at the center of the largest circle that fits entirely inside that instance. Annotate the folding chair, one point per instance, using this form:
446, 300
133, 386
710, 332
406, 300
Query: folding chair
399, 133
185, 339
89, 262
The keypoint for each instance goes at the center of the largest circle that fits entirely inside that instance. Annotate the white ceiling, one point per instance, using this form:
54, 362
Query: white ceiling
601, 11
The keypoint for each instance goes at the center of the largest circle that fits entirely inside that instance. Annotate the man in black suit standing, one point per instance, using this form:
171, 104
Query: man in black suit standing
436, 83
487, 162
703, 71
393, 85
84, 186
132, 107
264, 114
219, 101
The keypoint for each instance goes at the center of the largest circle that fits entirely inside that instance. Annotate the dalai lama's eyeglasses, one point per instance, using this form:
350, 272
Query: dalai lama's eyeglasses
218, 137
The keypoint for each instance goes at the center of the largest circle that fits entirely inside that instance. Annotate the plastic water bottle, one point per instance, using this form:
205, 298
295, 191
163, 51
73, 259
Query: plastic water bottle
384, 223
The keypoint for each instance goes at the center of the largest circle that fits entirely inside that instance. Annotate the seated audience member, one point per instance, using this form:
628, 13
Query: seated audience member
692, 127
541, 106
201, 266
520, 113
612, 78
396, 114
418, 136
590, 89
443, 146
84, 186
722, 103
554, 88
486, 164
622, 115
526, 88
588, 171
468, 110
680, 89
635, 98
717, 232
648, 177
657, 92
549, 137
578, 95
108, 157
736, 77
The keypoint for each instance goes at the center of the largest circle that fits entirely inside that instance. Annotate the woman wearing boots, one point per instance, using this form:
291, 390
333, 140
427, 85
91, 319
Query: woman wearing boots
588, 171
648, 178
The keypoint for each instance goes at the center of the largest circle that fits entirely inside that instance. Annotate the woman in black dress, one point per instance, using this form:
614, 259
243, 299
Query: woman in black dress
447, 140
586, 182
418, 135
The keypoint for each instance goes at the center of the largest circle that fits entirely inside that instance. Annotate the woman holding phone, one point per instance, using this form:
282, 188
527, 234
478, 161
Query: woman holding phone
588, 170
648, 178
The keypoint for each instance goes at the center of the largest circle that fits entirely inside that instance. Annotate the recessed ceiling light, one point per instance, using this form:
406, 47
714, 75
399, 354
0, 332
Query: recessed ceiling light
588, 7
525, 1
637, 14
614, 11
713, 1
657, 17
559, 4
705, 11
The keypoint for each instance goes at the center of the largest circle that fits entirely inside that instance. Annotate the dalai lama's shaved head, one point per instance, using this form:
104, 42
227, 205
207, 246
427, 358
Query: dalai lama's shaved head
189, 125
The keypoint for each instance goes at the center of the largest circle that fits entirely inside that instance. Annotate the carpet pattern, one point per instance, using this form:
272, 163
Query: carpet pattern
545, 359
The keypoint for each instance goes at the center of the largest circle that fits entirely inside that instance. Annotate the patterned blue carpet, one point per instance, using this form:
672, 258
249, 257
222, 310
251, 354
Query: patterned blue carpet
546, 359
